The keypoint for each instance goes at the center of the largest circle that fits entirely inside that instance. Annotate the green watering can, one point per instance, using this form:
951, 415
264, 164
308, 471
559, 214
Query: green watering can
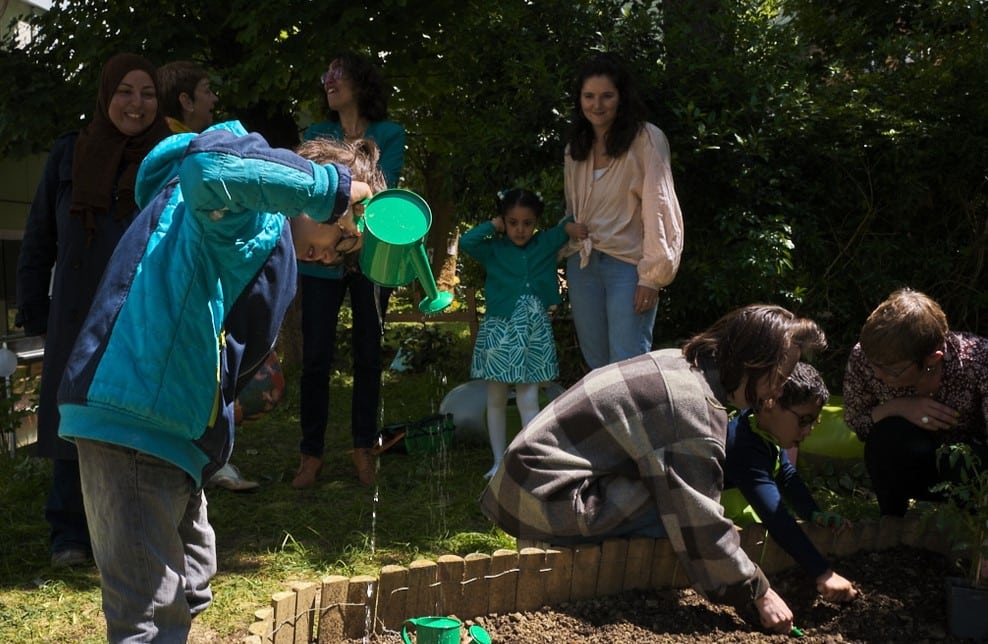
441, 630
394, 226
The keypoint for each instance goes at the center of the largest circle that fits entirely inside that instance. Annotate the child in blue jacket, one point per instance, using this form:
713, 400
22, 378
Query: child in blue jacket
758, 471
188, 308
515, 344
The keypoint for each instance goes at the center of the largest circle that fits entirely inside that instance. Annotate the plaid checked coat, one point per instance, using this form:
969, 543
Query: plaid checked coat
640, 435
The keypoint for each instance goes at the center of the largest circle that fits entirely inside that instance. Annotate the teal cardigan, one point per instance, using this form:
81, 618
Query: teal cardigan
513, 271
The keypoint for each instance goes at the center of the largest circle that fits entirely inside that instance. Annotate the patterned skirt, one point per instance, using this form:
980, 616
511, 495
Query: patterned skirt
516, 349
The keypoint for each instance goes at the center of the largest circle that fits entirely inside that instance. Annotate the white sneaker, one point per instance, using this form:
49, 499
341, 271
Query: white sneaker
229, 477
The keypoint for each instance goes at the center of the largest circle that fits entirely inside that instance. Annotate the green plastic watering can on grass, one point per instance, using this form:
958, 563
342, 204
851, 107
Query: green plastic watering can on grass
394, 226
441, 630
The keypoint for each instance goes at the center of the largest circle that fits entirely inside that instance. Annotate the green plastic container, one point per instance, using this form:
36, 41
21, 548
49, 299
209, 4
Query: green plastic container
394, 227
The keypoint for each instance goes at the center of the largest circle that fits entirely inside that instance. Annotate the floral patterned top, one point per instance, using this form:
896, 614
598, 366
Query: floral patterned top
964, 387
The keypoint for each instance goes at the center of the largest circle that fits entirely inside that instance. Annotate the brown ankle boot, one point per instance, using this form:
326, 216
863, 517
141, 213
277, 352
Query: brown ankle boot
363, 459
307, 472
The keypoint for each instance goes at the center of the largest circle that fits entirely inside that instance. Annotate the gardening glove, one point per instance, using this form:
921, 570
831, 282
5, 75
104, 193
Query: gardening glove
827, 519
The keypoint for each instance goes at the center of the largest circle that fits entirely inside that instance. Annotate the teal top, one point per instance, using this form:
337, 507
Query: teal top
390, 138
194, 295
513, 271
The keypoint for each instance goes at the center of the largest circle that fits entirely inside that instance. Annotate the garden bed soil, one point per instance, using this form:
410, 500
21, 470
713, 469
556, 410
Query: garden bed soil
901, 600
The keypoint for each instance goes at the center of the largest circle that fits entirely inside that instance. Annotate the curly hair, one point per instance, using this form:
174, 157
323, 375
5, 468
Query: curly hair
368, 86
803, 386
630, 114
360, 155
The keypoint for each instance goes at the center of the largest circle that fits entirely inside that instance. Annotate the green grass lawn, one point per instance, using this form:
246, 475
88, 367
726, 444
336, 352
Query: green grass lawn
424, 506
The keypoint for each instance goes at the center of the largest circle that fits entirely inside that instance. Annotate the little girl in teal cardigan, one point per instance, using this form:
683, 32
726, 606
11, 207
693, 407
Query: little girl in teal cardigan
515, 344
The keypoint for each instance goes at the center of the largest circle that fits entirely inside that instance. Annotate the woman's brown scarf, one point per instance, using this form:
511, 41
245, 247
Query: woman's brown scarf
105, 157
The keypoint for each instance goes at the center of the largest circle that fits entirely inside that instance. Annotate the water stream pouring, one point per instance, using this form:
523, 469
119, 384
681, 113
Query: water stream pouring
394, 226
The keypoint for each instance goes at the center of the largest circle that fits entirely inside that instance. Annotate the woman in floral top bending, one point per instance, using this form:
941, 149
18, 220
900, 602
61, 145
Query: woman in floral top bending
913, 385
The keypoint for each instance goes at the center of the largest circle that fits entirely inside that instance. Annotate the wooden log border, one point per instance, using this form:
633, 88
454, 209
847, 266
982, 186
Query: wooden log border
339, 608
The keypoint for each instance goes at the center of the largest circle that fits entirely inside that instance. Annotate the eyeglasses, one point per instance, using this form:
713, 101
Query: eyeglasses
892, 373
332, 74
804, 420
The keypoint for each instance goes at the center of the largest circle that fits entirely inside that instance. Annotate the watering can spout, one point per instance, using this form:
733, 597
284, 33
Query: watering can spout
394, 226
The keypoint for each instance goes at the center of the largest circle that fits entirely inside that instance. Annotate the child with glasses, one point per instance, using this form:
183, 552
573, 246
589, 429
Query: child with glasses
515, 344
759, 472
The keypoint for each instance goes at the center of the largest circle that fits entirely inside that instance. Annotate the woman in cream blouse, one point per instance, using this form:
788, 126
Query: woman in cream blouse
619, 184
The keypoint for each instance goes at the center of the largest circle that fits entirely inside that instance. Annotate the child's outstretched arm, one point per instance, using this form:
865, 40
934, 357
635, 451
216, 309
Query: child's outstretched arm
223, 172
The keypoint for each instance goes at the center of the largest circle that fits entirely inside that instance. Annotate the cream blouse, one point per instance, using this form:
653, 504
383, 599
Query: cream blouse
631, 210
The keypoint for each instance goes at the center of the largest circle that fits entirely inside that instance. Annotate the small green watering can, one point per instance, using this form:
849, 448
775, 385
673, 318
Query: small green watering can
441, 630
394, 226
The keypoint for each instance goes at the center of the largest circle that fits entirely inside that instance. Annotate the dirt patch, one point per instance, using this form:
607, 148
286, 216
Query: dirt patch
902, 600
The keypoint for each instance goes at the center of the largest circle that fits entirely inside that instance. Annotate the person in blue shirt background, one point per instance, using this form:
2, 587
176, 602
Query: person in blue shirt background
358, 109
759, 472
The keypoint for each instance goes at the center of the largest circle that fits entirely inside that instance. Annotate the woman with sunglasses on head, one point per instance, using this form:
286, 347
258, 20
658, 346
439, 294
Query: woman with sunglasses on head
358, 109
912, 385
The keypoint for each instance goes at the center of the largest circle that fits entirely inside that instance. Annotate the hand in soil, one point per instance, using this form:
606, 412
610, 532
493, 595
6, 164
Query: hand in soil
901, 599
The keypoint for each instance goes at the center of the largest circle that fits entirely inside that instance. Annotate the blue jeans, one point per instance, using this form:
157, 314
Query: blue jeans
321, 302
603, 299
152, 542
64, 509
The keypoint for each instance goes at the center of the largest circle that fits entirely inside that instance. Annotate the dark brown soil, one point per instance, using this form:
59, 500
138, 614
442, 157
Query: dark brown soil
902, 600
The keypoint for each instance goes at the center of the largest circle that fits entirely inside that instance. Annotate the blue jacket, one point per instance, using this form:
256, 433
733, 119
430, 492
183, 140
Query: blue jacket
513, 271
194, 294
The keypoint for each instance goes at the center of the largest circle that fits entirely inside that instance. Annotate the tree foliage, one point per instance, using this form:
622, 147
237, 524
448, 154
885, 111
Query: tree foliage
824, 152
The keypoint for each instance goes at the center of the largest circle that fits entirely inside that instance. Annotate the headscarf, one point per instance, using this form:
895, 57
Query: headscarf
103, 153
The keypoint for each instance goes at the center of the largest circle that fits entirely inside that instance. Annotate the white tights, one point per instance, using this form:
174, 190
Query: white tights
527, 400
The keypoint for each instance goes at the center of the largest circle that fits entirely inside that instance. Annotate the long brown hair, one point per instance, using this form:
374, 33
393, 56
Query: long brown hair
630, 114
753, 341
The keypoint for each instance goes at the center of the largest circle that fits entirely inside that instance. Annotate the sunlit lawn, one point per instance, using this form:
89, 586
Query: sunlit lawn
426, 507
